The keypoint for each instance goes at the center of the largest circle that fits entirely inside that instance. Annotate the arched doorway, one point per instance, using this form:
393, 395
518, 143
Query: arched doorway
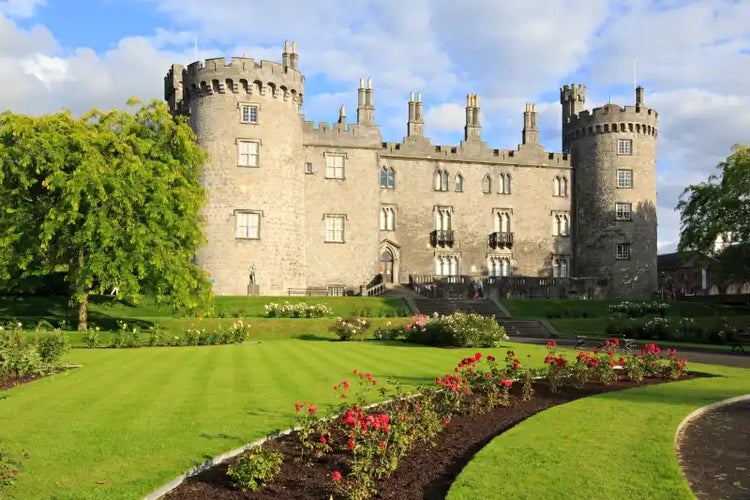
387, 265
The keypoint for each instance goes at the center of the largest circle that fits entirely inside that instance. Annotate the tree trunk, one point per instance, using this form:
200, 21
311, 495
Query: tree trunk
83, 312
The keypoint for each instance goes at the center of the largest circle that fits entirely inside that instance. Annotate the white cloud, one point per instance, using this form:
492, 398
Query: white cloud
445, 117
19, 8
48, 70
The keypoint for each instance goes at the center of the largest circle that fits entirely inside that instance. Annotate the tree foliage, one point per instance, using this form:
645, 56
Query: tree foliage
719, 206
111, 199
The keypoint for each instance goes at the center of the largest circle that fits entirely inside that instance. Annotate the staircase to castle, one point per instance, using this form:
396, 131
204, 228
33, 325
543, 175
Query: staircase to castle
513, 327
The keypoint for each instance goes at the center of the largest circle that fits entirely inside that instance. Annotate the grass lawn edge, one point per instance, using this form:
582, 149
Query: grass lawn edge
628, 452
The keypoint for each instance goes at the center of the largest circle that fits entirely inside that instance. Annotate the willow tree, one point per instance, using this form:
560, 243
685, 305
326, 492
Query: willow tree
111, 199
718, 207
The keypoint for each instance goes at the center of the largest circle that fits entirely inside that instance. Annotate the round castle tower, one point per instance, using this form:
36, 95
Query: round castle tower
613, 152
246, 115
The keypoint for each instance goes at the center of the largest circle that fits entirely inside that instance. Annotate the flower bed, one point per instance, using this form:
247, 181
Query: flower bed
297, 310
416, 444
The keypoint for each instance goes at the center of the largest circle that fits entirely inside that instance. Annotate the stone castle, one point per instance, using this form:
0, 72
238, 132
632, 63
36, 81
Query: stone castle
295, 206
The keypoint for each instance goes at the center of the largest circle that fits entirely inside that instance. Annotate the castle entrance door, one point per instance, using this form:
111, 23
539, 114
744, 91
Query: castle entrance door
386, 265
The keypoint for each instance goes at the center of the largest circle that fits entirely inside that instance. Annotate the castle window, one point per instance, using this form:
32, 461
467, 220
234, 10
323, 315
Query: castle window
387, 218
309, 168
247, 153
334, 166
334, 228
443, 218
623, 251
247, 225
459, 183
387, 178
503, 184
248, 113
502, 220
625, 147
560, 266
560, 186
498, 266
625, 179
446, 265
623, 211
440, 180
560, 224
487, 184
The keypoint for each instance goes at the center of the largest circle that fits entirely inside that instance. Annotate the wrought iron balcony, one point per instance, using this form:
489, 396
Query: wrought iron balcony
501, 239
441, 237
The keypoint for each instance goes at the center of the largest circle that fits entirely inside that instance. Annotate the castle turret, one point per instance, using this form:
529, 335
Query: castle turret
246, 115
613, 152
573, 100
365, 105
530, 134
473, 128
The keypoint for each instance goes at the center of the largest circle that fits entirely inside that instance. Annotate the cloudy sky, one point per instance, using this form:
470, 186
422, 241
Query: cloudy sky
693, 58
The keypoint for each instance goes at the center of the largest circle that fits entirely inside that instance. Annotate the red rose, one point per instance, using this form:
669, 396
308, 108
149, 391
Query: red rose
297, 406
336, 475
323, 440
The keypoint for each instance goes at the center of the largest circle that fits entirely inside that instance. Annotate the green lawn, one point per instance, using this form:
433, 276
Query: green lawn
616, 445
105, 311
561, 308
131, 420
260, 328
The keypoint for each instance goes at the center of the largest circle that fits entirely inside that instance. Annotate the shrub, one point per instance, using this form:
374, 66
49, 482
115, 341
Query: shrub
239, 332
657, 328
91, 337
51, 346
389, 332
297, 310
456, 330
255, 467
640, 309
348, 328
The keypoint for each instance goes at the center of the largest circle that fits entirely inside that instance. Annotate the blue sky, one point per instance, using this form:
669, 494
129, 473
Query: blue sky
693, 59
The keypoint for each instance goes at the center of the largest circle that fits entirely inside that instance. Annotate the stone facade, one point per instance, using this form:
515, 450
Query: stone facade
308, 206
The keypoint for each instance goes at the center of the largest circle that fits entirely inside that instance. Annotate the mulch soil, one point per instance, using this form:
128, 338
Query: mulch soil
714, 452
10, 382
426, 472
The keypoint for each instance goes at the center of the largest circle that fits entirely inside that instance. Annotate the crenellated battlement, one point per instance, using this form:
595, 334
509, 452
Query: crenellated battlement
340, 134
241, 75
531, 154
612, 118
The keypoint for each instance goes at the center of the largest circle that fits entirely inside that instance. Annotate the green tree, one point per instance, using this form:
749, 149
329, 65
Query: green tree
719, 206
111, 199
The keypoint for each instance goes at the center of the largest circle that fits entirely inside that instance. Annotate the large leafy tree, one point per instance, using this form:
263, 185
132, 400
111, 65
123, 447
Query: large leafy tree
111, 199
720, 206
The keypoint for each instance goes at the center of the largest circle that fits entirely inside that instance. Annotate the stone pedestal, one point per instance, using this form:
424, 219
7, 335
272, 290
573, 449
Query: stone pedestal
253, 289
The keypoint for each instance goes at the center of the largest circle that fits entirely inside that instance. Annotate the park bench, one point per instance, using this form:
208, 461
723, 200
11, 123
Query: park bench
598, 339
740, 341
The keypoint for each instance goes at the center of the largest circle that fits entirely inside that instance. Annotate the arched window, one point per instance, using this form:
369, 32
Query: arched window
562, 225
503, 184
446, 265
502, 222
486, 184
498, 266
560, 267
441, 180
560, 186
459, 183
387, 178
390, 178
